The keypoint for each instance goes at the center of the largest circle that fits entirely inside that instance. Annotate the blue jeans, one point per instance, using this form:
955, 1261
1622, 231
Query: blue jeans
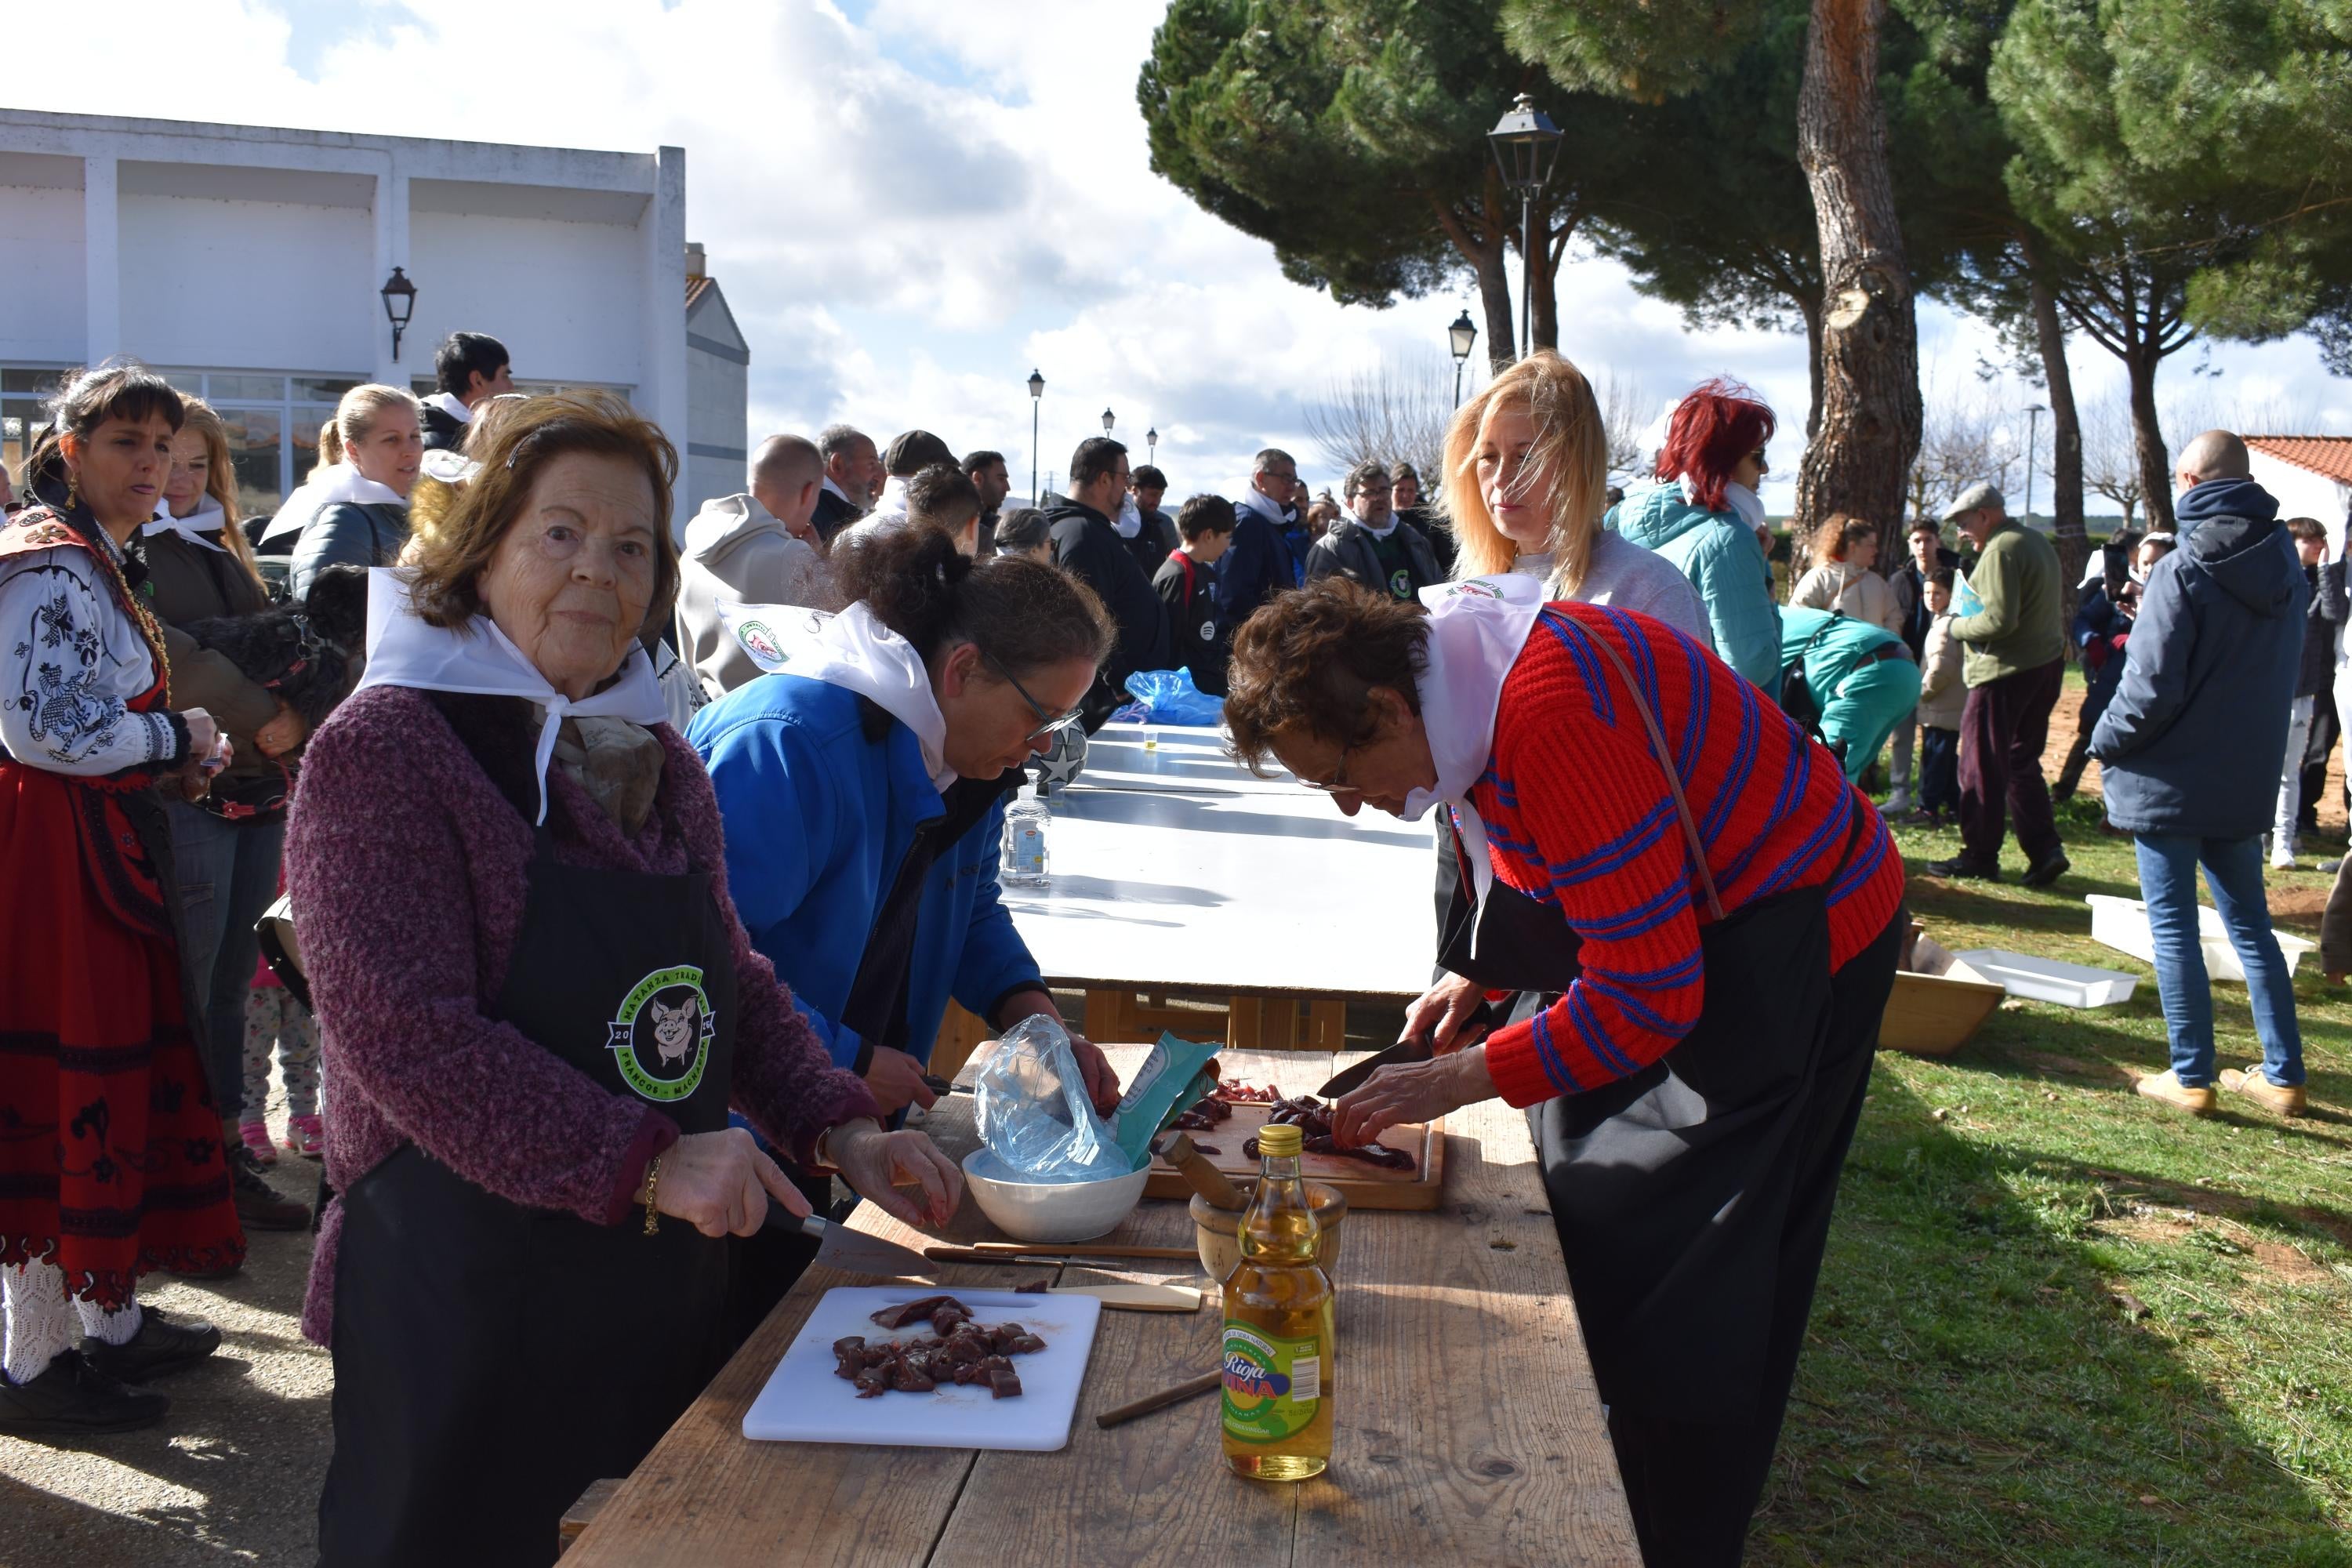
2233, 871
227, 874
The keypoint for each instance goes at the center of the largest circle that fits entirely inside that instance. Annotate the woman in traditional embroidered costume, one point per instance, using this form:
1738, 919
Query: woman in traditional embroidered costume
111, 1161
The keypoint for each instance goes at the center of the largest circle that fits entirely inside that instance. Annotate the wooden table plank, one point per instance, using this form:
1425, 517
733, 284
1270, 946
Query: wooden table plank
1468, 1425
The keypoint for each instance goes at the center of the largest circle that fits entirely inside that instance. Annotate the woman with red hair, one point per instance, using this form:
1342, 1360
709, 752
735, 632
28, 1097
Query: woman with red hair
1704, 517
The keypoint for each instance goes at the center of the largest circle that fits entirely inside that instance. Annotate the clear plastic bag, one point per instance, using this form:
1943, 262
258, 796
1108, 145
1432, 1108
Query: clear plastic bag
1035, 1114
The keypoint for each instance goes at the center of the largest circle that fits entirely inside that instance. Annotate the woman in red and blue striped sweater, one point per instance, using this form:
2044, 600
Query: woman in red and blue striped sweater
1705, 919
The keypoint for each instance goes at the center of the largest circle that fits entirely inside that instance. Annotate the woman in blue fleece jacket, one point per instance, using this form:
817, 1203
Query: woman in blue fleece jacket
862, 791
863, 794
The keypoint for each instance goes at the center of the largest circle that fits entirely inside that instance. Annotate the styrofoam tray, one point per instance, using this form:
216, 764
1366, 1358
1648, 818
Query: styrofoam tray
805, 1402
2122, 924
2050, 980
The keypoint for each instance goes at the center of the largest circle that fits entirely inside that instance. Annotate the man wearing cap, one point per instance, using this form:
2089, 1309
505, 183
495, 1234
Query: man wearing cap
2015, 660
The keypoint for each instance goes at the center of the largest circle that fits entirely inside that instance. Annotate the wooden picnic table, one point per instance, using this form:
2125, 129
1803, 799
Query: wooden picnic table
1468, 1429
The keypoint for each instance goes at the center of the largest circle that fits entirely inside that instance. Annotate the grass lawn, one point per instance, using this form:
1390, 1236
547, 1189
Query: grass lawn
2059, 1323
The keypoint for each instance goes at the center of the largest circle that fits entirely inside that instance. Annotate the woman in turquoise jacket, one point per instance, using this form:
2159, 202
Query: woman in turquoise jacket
862, 789
1703, 516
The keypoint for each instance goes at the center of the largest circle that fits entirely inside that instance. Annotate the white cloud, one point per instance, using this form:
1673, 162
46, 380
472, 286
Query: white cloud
912, 205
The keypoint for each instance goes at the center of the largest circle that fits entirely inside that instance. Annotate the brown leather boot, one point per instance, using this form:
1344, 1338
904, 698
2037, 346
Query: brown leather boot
2167, 1086
2271, 1097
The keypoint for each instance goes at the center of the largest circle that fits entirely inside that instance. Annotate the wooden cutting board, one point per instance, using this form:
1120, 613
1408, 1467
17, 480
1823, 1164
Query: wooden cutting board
1364, 1186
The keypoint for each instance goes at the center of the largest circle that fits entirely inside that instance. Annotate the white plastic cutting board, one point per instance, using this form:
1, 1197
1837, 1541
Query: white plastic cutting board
805, 1402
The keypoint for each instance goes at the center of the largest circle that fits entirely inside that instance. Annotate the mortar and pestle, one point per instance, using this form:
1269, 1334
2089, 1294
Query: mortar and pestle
1218, 1204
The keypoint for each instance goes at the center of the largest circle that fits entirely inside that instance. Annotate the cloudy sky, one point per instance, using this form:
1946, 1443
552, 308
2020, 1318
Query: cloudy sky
910, 203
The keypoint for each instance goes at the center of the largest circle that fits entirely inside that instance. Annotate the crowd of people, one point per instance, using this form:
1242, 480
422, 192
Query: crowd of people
599, 920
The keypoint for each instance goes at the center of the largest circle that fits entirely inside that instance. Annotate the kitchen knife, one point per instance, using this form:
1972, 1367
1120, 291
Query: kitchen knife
854, 1251
1416, 1049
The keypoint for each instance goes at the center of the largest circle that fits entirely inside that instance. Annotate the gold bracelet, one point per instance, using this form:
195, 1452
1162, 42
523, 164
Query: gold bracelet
653, 1178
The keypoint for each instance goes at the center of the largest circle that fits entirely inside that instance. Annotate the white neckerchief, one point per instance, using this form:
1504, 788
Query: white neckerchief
1536, 564
893, 501
403, 651
1129, 521
1739, 497
1265, 505
1378, 533
450, 403
207, 519
857, 652
330, 485
1476, 629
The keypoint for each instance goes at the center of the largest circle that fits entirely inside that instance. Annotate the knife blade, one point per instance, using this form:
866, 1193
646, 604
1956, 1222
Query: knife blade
1416, 1049
854, 1251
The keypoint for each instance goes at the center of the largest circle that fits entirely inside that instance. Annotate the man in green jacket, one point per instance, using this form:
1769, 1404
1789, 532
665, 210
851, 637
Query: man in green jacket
2010, 625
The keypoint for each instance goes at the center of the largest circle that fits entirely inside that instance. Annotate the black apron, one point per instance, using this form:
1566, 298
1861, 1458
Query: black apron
492, 1359
1693, 1198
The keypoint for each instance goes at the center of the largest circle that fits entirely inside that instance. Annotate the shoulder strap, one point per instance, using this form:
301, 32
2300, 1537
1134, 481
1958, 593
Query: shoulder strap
1674, 779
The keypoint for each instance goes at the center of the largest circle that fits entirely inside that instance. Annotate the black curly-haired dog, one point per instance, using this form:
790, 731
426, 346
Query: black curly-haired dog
308, 654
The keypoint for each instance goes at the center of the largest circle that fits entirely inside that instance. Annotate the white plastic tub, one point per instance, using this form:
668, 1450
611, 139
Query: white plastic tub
2122, 924
2049, 980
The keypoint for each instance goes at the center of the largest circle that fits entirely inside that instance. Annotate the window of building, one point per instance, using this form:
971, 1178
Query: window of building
273, 421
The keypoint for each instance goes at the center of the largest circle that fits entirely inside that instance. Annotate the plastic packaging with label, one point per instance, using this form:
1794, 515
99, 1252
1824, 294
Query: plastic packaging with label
1034, 1111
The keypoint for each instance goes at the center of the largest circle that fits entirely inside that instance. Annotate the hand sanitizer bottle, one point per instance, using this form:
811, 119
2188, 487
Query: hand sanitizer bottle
1025, 821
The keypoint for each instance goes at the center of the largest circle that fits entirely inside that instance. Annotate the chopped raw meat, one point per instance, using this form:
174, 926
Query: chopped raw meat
1035, 1288
898, 1317
960, 1351
1243, 1094
1202, 1114
1313, 1118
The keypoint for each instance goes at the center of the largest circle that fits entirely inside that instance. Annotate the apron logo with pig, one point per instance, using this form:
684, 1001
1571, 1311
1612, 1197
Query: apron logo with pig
661, 1038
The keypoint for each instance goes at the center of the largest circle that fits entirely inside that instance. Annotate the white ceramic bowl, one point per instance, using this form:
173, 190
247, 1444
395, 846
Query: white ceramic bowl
1051, 1211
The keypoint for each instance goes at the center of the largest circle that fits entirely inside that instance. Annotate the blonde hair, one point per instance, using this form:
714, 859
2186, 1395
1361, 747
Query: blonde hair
355, 417
220, 479
1567, 464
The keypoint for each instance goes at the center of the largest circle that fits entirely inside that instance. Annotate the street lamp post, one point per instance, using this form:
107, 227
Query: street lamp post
399, 304
1151, 445
2033, 413
1527, 144
1462, 335
1036, 398
1108, 422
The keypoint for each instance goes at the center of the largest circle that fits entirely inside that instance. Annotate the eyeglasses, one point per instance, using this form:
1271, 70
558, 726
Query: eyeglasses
1048, 722
1338, 784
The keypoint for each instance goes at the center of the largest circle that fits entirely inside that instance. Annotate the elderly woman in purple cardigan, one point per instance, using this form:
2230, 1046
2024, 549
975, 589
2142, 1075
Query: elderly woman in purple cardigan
540, 1006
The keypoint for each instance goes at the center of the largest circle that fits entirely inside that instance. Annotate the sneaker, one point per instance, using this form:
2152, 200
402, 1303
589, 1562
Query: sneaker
256, 1137
1925, 816
1896, 804
2048, 869
258, 1207
162, 1346
2278, 1100
2328, 867
307, 1136
2167, 1086
72, 1398
1962, 867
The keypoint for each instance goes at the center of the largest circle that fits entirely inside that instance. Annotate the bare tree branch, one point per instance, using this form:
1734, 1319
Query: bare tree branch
1397, 411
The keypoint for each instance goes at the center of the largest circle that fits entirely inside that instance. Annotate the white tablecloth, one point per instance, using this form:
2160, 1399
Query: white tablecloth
1172, 868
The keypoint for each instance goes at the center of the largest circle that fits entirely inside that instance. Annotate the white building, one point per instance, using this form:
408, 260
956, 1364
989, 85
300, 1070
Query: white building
249, 264
2311, 476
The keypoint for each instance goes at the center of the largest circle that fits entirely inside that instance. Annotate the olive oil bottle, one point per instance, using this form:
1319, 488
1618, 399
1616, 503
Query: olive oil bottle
1277, 1343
